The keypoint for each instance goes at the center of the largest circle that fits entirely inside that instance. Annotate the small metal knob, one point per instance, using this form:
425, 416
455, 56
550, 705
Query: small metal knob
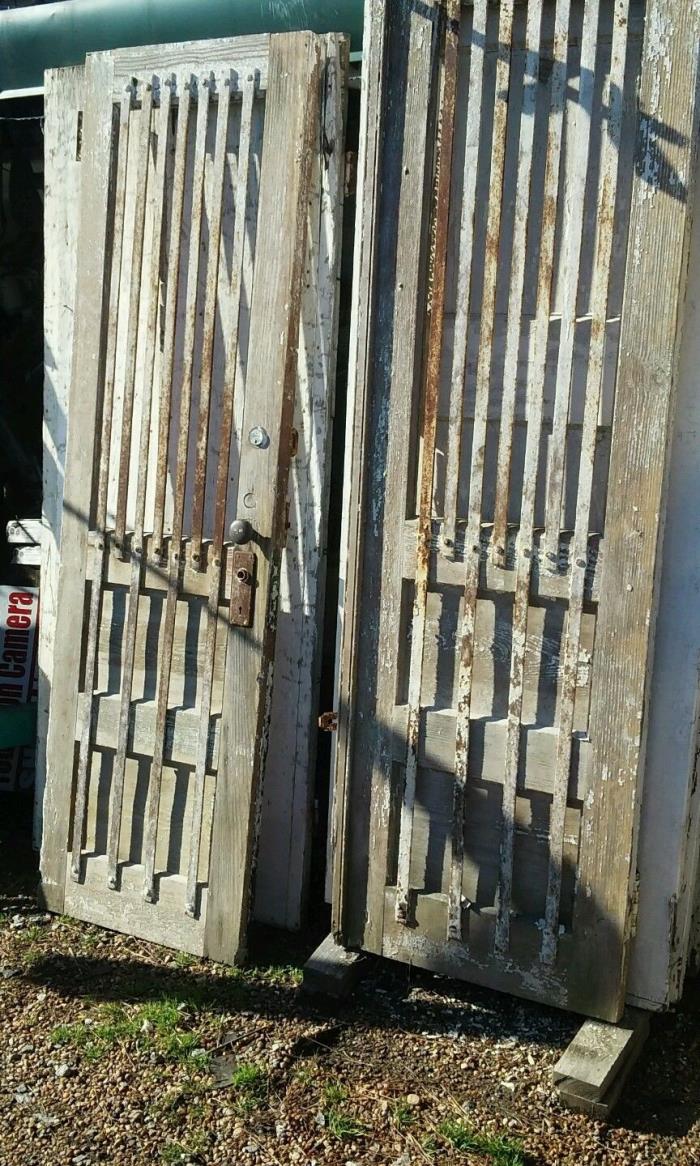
259, 437
240, 531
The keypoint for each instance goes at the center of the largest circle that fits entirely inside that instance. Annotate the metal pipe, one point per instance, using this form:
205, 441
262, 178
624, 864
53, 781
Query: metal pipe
47, 36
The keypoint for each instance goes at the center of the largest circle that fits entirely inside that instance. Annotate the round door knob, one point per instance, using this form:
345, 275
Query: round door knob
240, 531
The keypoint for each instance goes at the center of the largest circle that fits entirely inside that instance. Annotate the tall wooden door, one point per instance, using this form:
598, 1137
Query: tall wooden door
196, 165
527, 176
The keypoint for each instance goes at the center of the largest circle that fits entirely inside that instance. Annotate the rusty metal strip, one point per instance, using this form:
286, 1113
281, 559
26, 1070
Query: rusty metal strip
464, 274
578, 146
430, 408
607, 194
205, 377
171, 308
99, 549
525, 543
166, 648
517, 279
217, 557
133, 319
156, 198
472, 549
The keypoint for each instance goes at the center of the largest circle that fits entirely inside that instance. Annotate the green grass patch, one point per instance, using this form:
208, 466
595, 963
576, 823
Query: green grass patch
340, 1122
276, 975
344, 1125
502, 1151
158, 1026
334, 1093
192, 1150
403, 1115
183, 959
250, 1084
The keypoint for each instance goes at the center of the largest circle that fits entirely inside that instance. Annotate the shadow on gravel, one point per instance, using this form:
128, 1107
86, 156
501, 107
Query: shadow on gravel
662, 1097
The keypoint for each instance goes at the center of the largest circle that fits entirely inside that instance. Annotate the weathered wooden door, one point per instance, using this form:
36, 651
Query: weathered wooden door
196, 168
514, 373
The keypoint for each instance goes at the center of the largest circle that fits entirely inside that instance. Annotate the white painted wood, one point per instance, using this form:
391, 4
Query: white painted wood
530, 470
466, 247
517, 277
668, 842
286, 822
62, 104
25, 532
607, 195
303, 570
478, 459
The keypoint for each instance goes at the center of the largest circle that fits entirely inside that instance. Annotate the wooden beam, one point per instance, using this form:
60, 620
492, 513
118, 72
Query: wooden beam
290, 126
332, 970
88, 360
650, 334
592, 1072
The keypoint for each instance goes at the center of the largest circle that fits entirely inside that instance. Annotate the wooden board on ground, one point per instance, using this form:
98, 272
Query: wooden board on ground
592, 1072
188, 313
285, 818
528, 465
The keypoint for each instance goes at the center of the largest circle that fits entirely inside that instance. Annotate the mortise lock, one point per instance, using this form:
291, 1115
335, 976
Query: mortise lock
242, 588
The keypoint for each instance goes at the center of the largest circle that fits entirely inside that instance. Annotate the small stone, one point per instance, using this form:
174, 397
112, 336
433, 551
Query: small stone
413, 1099
46, 1119
147, 1026
62, 1070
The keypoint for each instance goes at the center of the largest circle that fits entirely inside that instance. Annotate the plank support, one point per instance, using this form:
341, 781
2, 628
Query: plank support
594, 1069
332, 970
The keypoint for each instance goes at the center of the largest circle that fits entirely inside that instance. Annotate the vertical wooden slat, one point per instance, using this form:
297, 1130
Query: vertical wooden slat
166, 646
63, 97
100, 550
210, 295
150, 830
472, 550
222, 473
578, 146
152, 289
450, 65
287, 816
415, 76
517, 277
535, 397
87, 378
356, 477
578, 554
171, 307
132, 332
651, 326
291, 112
464, 273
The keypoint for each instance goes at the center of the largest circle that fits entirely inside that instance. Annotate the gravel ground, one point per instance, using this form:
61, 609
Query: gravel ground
119, 1052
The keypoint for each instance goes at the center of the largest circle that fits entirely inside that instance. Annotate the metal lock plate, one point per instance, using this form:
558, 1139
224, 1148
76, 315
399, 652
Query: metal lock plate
242, 588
